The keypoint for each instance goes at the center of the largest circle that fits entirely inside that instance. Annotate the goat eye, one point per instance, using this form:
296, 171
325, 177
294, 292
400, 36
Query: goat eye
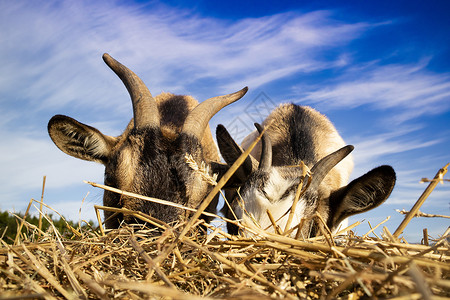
288, 191
267, 196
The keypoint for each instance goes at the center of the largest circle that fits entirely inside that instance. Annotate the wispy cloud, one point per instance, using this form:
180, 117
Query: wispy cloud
26, 159
369, 148
60, 44
411, 89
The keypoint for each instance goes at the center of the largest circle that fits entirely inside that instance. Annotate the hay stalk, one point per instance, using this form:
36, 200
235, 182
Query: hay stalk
439, 175
154, 260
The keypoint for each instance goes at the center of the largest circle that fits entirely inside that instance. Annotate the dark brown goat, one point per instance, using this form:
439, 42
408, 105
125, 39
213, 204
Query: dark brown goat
148, 158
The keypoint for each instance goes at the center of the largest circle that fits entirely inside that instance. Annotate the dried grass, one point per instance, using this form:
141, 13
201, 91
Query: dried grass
125, 263
182, 261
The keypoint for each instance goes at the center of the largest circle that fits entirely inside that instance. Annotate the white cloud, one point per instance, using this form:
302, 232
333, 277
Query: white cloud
26, 159
52, 52
412, 89
370, 148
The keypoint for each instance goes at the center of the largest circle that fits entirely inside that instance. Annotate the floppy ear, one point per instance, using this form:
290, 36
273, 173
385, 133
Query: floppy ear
80, 140
230, 152
362, 194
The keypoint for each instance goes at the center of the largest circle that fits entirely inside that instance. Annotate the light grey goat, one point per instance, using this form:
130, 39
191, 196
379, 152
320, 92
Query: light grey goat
298, 134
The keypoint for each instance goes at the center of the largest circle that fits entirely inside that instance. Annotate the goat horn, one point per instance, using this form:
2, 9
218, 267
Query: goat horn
198, 118
266, 150
324, 166
145, 110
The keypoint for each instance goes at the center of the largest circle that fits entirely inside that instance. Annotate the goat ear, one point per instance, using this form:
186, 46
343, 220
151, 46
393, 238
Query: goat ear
362, 194
230, 152
79, 140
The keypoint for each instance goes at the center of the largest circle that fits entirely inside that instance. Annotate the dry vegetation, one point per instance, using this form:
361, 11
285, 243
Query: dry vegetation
181, 261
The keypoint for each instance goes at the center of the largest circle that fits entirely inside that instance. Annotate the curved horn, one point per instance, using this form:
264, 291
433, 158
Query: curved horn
324, 166
145, 110
266, 150
198, 118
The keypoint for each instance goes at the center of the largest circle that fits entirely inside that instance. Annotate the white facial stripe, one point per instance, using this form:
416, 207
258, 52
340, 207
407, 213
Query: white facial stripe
276, 186
257, 202
126, 168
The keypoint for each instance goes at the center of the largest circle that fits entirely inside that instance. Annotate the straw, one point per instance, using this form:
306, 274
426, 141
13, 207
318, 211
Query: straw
42, 200
154, 261
439, 175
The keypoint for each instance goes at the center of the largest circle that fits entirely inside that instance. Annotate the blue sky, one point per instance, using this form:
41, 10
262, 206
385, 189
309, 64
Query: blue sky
379, 70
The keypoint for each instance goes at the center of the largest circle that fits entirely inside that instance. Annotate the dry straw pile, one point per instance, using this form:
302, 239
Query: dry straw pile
182, 261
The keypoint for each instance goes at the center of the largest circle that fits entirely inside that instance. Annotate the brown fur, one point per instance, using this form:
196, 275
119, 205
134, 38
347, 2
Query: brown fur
121, 156
149, 157
172, 123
